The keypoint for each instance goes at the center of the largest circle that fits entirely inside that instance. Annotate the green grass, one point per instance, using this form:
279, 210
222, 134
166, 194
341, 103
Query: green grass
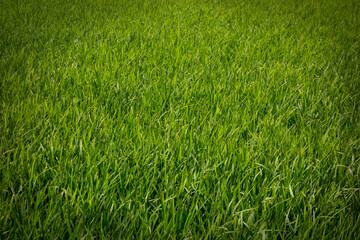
184, 119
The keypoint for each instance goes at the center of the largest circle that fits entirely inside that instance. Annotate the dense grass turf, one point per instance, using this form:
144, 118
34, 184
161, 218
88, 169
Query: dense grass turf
180, 119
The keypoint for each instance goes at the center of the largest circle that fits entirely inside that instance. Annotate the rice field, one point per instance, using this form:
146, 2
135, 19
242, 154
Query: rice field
164, 119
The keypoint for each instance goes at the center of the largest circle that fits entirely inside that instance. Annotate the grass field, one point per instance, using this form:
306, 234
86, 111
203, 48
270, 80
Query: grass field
152, 119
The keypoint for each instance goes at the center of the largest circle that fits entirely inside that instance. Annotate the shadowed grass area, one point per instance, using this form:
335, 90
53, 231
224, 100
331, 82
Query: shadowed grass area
179, 119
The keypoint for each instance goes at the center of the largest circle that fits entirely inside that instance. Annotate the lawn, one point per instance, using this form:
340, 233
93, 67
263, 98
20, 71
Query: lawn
164, 119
